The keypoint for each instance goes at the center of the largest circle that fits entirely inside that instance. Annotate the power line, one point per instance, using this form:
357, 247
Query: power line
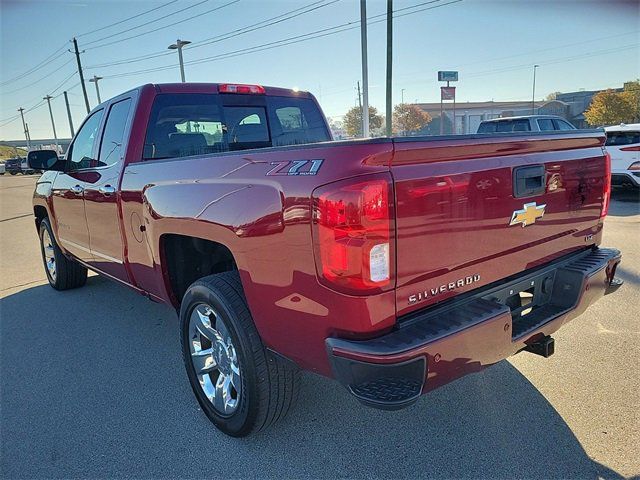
165, 26
43, 63
48, 75
140, 25
126, 19
289, 40
233, 33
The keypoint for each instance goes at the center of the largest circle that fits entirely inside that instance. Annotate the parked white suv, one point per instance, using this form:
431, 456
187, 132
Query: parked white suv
526, 123
623, 144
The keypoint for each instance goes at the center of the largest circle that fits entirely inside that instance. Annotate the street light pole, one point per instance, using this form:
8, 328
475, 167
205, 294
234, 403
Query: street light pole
96, 80
178, 46
533, 96
26, 132
365, 74
389, 67
53, 124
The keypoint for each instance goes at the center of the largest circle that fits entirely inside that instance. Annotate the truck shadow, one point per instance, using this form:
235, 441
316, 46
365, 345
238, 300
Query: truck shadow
93, 385
624, 202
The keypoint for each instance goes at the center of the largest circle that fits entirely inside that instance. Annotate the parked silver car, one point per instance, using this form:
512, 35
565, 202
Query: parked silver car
526, 123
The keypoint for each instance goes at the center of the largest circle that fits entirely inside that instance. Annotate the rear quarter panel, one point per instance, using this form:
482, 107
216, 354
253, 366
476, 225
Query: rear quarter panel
263, 216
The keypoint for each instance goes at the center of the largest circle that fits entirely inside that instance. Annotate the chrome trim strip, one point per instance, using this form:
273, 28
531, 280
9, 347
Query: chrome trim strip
97, 254
73, 244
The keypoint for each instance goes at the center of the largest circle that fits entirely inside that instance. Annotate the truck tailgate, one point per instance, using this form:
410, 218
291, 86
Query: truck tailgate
474, 210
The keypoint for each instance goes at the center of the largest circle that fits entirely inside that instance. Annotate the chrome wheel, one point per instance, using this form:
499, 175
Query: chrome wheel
49, 254
214, 359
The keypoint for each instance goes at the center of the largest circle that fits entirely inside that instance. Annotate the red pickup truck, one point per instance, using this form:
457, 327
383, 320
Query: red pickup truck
394, 265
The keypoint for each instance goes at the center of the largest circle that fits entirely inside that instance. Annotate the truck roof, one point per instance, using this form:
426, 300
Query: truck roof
623, 127
193, 87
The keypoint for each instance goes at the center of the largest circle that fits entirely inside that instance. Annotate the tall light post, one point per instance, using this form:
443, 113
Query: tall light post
365, 70
53, 124
533, 96
402, 95
178, 46
96, 80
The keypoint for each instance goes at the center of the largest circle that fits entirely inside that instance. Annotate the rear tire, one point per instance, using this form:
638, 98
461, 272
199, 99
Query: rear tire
262, 387
62, 272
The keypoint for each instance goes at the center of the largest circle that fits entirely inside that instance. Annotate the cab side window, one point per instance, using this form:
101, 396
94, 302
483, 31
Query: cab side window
113, 136
81, 150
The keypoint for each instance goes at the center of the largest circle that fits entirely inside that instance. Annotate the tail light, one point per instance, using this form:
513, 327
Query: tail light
631, 149
354, 235
606, 195
634, 166
243, 89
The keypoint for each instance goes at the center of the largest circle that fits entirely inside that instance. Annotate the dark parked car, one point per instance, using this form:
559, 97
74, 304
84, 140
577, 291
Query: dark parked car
13, 166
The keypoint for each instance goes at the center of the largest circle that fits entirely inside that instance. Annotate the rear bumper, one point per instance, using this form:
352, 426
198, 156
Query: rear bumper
438, 345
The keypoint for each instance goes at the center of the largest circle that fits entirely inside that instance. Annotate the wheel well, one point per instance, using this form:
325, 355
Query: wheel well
40, 213
189, 258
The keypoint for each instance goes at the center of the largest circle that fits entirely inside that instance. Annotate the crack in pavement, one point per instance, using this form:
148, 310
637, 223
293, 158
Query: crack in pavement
15, 218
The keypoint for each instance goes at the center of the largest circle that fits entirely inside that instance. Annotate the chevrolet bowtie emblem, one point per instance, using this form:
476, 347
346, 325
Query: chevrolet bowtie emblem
528, 215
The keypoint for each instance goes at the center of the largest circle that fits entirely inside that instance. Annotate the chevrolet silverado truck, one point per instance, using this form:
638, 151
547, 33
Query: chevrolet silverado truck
394, 265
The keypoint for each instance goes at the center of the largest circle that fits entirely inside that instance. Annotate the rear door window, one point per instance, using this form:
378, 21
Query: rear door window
545, 124
112, 138
562, 125
487, 127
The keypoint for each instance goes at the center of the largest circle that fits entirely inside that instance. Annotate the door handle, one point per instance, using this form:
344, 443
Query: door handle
107, 190
77, 189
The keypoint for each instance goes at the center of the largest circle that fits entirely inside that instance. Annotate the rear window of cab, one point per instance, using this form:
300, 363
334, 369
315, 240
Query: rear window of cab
618, 139
182, 125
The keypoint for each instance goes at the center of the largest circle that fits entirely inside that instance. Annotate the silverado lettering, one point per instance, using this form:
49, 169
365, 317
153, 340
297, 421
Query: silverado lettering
418, 297
312, 268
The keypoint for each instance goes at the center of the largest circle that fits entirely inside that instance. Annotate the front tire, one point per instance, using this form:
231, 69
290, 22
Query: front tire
62, 272
240, 386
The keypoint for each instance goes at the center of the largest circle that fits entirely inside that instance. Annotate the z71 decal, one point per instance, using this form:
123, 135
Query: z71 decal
296, 167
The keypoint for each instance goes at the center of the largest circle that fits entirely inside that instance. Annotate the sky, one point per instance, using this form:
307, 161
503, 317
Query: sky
578, 44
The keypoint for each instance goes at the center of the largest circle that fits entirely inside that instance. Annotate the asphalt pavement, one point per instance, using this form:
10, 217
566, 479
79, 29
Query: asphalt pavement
92, 385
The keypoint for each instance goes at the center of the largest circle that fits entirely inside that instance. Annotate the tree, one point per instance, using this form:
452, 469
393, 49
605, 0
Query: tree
611, 108
410, 118
632, 94
352, 121
552, 96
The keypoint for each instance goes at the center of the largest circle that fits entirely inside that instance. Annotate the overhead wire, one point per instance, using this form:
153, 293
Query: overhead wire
125, 19
231, 34
164, 26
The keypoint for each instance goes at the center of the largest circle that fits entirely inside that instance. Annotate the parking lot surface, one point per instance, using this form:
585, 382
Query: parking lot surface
92, 385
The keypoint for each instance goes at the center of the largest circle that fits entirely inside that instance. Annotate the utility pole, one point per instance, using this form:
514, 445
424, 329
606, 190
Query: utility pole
533, 96
84, 87
389, 65
360, 107
66, 101
178, 46
95, 80
365, 74
53, 124
26, 132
